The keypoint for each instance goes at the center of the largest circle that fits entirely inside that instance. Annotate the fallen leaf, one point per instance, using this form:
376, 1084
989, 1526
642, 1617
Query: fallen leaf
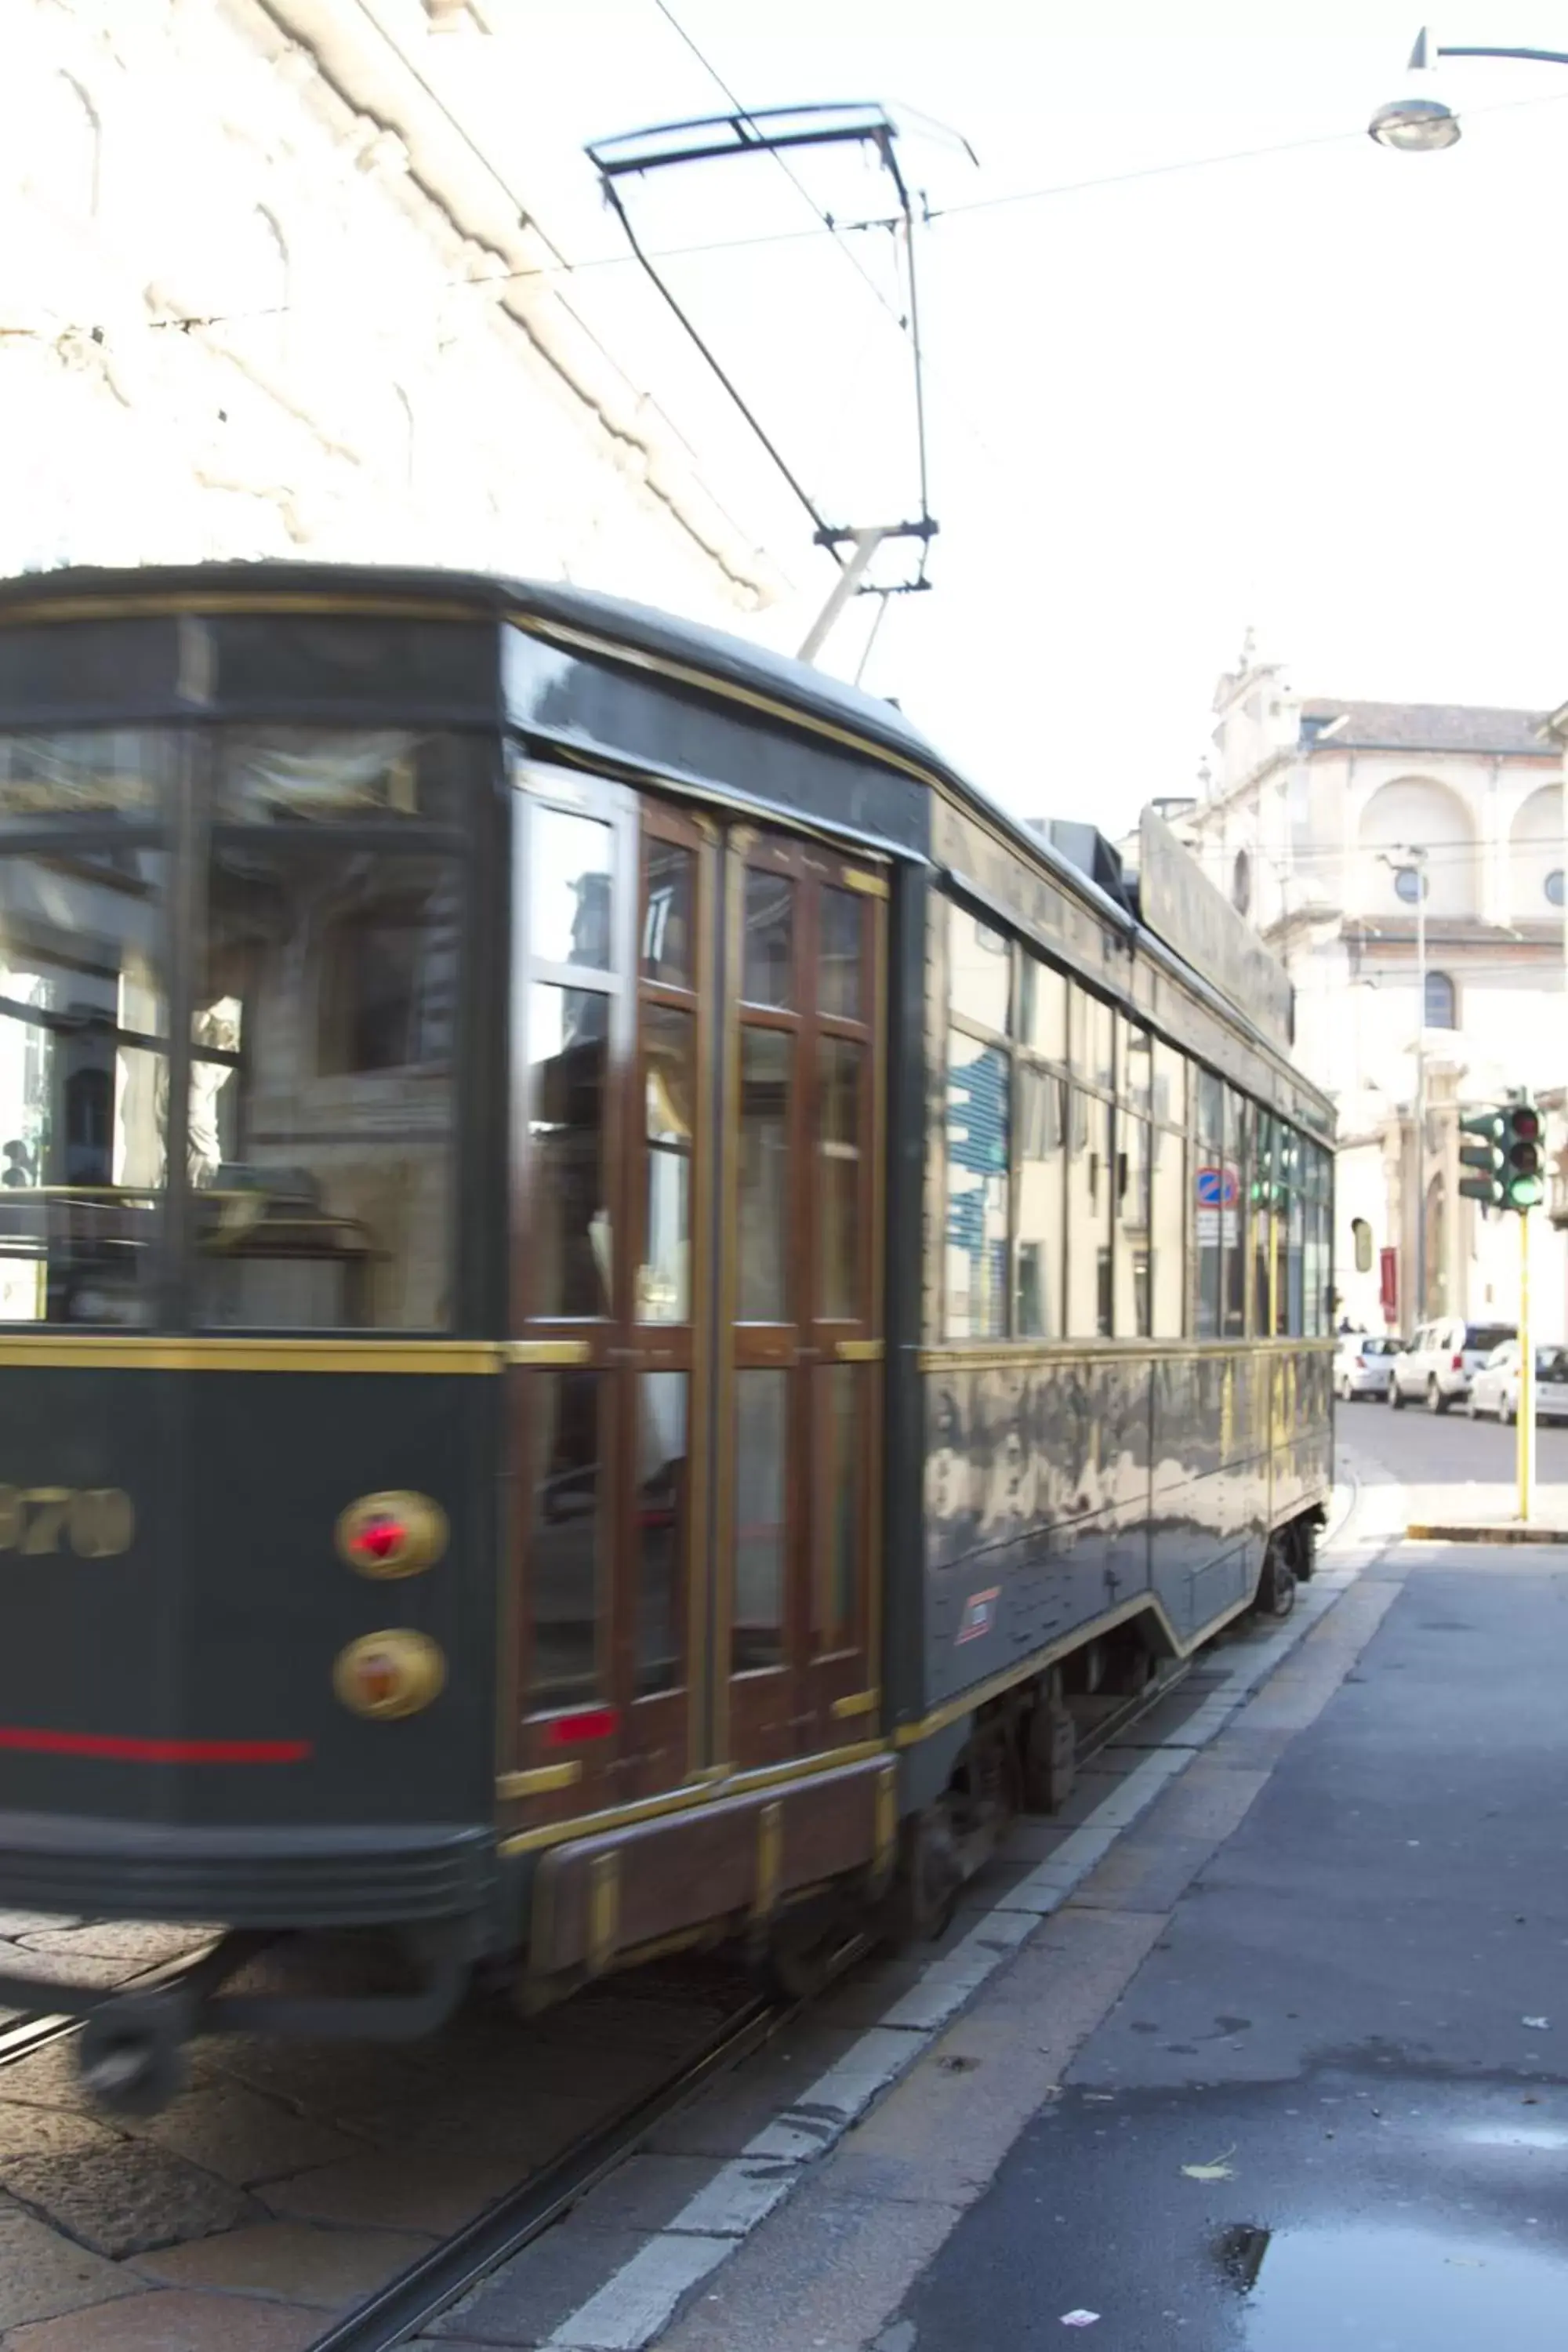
1216, 2168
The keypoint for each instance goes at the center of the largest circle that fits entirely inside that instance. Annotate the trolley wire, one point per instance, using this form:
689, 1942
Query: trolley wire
544, 273
820, 212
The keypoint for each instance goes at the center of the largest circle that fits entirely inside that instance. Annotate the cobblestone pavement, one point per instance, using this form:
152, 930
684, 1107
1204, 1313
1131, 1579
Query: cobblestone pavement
291, 2180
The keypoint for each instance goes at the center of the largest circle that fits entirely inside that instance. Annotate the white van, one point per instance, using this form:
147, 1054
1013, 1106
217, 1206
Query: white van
1442, 1360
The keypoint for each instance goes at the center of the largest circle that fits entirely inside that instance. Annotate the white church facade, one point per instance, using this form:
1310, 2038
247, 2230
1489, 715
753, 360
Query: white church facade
1405, 862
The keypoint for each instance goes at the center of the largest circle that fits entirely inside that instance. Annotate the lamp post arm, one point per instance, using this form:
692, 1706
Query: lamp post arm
1528, 56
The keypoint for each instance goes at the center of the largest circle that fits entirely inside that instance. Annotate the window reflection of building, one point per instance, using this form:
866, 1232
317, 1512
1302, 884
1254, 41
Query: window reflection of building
327, 1074
82, 1064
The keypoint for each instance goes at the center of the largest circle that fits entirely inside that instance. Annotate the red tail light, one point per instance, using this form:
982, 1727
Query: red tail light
594, 1723
378, 1540
1458, 1365
392, 1535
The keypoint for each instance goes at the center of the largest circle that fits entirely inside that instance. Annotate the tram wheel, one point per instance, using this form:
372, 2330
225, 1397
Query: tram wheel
127, 2069
1277, 1585
800, 1965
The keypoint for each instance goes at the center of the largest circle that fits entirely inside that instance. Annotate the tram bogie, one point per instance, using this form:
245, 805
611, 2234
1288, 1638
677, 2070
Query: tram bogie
625, 1313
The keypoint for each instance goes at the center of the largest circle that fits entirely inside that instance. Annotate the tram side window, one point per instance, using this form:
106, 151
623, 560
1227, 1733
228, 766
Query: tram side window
980, 967
1264, 1181
1168, 1226
1291, 1228
1237, 1160
84, 1078
978, 1118
1093, 1038
1137, 1068
1170, 1085
1133, 1223
1042, 1008
1210, 1208
322, 1090
1089, 1209
566, 1539
1317, 1320
1042, 1199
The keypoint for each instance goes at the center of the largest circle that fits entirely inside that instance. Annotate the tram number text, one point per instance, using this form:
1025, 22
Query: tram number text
94, 1522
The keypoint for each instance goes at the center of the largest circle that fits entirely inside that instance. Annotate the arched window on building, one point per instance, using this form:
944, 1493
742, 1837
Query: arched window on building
1241, 883
1441, 1003
1417, 813
1536, 859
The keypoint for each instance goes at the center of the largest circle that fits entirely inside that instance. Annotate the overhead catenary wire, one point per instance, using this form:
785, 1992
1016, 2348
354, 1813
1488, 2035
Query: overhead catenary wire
543, 272
790, 174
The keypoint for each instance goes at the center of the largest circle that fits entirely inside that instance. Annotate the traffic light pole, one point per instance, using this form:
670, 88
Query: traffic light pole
1526, 1379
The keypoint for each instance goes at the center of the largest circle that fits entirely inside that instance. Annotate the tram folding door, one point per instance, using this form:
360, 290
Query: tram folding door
694, 1402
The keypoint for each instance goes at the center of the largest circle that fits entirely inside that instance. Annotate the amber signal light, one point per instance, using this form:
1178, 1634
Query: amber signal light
392, 1535
386, 1675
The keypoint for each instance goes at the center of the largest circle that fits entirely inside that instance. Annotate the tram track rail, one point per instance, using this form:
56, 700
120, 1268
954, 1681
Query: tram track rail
419, 2294
25, 2035
429, 2286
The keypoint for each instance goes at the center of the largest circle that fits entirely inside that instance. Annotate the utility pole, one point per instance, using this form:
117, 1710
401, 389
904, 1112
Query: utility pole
1409, 864
1526, 1463
1507, 1159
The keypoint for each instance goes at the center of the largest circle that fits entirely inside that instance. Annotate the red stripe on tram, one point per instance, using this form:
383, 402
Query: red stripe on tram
116, 1750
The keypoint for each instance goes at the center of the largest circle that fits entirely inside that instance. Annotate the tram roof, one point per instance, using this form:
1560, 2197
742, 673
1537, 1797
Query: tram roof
792, 685
734, 660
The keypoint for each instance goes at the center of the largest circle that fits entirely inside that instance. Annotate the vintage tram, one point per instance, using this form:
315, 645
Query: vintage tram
617, 1296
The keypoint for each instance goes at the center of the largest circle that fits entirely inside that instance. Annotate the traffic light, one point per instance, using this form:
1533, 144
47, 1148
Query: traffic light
1506, 1156
1522, 1187
1488, 1155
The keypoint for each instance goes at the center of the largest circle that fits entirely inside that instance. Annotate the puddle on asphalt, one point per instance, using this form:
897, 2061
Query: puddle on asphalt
1392, 2290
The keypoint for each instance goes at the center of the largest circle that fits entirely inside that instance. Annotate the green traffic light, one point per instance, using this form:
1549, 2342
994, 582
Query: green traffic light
1524, 1193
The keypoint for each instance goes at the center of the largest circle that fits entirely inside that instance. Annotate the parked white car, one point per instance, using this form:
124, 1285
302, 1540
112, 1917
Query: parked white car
1495, 1388
1442, 1360
1363, 1365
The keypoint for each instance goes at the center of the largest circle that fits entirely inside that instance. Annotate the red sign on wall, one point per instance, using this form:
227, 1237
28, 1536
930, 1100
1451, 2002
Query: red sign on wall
1388, 1284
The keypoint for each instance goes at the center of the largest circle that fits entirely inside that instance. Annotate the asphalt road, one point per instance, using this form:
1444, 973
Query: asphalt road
1453, 1470
1331, 2104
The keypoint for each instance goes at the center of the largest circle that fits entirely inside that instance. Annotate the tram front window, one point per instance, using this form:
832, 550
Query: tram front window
84, 1082
324, 1023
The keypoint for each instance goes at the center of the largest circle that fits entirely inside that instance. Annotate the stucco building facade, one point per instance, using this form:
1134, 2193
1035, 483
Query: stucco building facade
262, 292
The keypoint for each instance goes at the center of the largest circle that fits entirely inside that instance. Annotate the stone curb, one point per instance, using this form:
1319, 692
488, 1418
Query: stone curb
1498, 1531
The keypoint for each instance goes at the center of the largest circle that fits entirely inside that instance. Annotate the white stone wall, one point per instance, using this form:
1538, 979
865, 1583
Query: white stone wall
238, 323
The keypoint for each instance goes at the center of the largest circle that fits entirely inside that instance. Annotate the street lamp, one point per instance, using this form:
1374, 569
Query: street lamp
1409, 866
1419, 126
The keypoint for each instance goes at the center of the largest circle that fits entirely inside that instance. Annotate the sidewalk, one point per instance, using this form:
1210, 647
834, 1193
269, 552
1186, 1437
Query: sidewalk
1288, 2070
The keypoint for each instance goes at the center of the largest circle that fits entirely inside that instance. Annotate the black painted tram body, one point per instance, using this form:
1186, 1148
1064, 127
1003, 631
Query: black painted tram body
619, 1301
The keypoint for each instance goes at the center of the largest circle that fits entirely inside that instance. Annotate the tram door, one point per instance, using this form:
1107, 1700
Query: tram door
693, 1399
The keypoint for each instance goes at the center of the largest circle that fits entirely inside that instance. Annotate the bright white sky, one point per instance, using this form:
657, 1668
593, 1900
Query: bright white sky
1320, 391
